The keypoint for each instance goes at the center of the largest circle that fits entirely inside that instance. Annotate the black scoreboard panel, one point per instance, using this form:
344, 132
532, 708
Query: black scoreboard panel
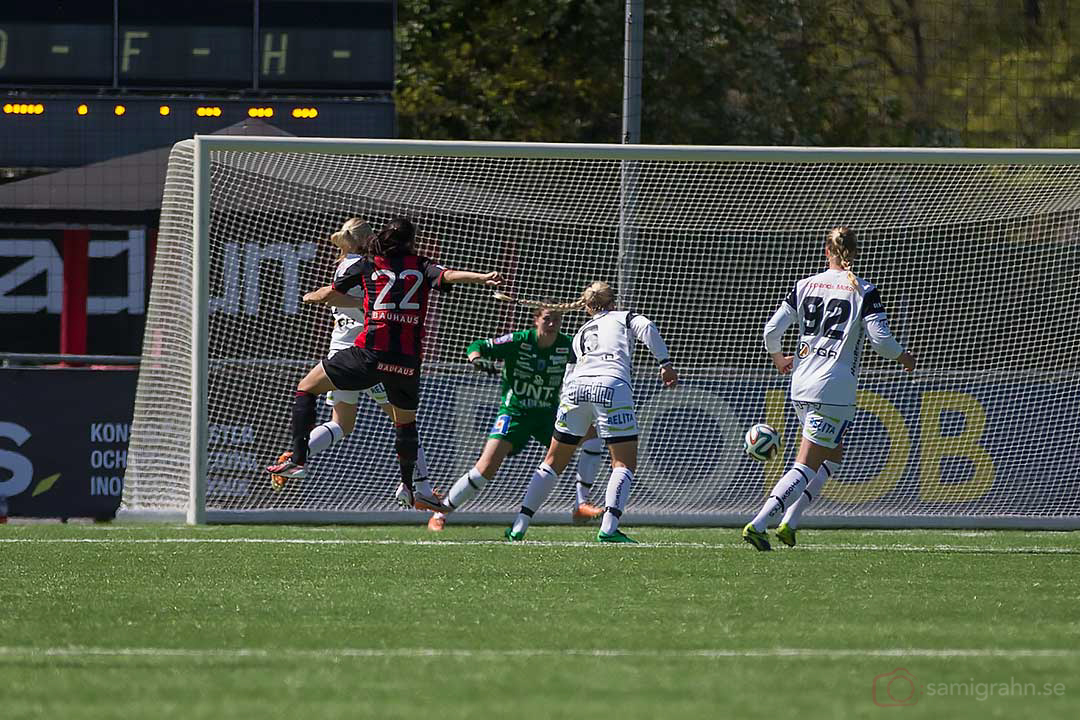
49, 42
197, 43
339, 46
71, 130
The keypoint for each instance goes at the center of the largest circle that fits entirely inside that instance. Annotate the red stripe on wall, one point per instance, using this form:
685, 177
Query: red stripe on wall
73, 312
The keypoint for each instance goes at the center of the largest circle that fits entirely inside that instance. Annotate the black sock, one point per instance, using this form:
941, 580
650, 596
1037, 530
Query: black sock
406, 442
303, 419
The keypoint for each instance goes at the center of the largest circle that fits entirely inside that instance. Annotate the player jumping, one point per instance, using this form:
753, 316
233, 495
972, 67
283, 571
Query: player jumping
834, 309
352, 241
598, 391
396, 283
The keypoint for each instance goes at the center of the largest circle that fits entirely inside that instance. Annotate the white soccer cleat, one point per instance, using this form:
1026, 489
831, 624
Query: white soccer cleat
404, 496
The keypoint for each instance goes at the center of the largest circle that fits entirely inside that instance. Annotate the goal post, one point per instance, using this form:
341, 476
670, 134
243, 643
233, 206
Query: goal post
976, 253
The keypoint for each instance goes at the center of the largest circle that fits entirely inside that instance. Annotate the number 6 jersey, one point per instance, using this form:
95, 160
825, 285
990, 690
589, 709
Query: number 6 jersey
832, 317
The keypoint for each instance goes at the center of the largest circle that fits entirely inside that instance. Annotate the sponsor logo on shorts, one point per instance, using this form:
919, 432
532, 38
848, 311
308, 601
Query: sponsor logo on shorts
821, 426
396, 369
598, 394
804, 349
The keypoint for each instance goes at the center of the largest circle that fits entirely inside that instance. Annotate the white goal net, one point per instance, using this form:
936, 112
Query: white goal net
976, 254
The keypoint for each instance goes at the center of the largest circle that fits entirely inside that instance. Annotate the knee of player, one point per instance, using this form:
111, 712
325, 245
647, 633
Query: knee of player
345, 423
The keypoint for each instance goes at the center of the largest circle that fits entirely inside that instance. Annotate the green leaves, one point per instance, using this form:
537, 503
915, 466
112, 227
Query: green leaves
45, 484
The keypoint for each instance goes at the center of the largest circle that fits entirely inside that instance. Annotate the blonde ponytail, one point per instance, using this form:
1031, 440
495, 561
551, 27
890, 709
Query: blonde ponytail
843, 246
597, 296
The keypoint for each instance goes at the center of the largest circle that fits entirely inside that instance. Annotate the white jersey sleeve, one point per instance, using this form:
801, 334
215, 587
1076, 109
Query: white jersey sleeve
779, 323
348, 322
645, 331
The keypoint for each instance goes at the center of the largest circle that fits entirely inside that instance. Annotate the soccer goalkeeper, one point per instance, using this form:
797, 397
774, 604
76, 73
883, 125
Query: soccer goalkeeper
534, 361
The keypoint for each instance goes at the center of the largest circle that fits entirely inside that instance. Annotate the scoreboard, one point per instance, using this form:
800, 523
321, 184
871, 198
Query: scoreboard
85, 80
342, 47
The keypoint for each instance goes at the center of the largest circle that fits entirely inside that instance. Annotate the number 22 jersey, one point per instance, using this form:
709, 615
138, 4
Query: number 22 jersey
832, 318
395, 292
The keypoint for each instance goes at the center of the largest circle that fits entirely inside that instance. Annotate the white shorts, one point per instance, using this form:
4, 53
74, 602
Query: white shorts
351, 397
823, 424
606, 402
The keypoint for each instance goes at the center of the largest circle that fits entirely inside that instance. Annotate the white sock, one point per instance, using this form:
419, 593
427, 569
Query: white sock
424, 486
465, 489
420, 471
323, 436
810, 493
786, 491
588, 464
618, 492
540, 486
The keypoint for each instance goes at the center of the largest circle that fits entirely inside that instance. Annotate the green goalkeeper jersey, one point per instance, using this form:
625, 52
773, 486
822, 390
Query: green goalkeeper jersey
531, 375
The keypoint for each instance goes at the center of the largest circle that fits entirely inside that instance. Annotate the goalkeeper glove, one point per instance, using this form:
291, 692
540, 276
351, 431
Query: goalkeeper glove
485, 365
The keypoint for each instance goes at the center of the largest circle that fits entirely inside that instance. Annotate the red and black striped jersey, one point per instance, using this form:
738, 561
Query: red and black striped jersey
395, 300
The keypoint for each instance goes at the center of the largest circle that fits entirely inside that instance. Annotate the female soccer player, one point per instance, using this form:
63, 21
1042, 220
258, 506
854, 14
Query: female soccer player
352, 243
834, 308
396, 283
534, 362
598, 390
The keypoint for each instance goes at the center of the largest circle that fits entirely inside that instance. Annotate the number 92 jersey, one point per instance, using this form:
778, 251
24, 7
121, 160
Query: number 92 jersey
832, 317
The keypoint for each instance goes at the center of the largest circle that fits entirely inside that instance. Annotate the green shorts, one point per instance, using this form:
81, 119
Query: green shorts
518, 428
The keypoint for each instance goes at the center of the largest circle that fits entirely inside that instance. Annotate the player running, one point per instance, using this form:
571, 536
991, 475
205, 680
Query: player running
352, 243
395, 282
834, 308
598, 391
534, 362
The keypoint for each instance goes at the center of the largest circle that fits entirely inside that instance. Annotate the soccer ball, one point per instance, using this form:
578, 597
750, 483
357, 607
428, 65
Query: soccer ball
762, 442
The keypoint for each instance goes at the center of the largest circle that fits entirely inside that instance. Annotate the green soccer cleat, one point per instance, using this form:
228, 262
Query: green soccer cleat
616, 537
758, 539
513, 536
786, 534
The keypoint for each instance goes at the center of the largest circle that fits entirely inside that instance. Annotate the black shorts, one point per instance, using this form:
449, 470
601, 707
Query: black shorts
358, 369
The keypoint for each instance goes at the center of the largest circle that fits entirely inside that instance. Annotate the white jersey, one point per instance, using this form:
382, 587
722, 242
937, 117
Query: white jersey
832, 318
348, 322
604, 345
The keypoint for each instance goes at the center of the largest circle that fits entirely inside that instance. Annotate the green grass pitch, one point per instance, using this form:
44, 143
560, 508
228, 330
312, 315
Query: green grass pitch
326, 622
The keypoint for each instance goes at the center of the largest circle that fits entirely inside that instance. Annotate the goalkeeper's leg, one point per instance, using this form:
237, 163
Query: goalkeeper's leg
471, 483
543, 481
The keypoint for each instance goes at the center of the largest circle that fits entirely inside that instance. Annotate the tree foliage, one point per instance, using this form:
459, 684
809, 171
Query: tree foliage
838, 72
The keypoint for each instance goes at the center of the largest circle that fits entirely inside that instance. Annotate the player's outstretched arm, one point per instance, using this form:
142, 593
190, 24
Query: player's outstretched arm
645, 331
329, 296
465, 277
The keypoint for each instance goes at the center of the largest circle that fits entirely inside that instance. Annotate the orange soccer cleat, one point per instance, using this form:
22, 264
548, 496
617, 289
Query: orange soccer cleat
277, 480
585, 512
